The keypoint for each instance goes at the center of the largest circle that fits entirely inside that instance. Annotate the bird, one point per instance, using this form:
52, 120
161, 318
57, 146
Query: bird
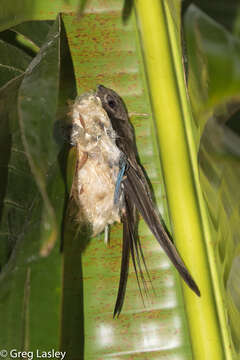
110, 184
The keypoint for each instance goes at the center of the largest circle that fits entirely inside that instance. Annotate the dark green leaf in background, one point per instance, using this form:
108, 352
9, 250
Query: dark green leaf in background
35, 31
214, 88
13, 57
213, 55
33, 199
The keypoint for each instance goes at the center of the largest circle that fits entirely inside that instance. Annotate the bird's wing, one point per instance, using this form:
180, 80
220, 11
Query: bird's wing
135, 188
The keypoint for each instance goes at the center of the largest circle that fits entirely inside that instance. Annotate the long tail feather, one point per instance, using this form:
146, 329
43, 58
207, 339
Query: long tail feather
131, 246
136, 190
124, 266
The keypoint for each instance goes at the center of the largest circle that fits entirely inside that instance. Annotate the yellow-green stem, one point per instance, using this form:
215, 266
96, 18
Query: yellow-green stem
180, 178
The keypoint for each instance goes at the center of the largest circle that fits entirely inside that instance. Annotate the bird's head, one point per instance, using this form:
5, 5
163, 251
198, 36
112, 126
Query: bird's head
112, 103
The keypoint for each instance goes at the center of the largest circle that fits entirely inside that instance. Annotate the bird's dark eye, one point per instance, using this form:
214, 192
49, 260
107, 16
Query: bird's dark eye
111, 103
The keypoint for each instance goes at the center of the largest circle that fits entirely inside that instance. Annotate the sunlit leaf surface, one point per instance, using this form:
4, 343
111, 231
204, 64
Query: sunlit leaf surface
106, 51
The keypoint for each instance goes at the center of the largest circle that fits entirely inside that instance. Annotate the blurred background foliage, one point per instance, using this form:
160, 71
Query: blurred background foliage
43, 300
213, 48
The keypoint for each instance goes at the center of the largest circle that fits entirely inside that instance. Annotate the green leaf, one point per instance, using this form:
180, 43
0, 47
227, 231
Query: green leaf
6, 74
33, 201
13, 57
214, 56
35, 31
104, 50
13, 60
15, 12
